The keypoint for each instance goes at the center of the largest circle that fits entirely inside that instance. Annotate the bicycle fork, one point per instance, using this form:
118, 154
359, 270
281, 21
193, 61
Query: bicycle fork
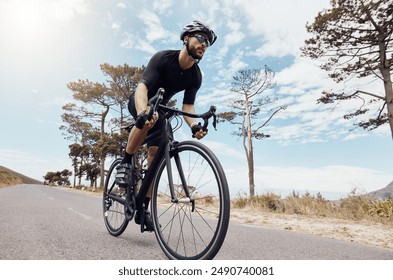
187, 199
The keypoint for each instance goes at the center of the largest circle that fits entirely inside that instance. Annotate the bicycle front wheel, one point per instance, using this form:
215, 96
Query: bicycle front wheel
194, 224
114, 203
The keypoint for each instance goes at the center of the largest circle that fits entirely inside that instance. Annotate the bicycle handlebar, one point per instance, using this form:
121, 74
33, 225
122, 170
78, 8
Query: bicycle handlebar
155, 103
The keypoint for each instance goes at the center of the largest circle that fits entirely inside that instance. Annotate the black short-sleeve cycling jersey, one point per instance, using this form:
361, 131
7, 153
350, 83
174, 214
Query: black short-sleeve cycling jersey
163, 70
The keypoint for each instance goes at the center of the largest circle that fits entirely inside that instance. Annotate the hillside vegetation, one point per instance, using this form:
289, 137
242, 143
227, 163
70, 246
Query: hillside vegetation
354, 207
9, 177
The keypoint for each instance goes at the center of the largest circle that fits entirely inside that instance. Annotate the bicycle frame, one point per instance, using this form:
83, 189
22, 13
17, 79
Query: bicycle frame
167, 145
163, 150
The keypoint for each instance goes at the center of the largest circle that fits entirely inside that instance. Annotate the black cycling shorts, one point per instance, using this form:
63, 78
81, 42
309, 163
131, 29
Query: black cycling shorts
158, 126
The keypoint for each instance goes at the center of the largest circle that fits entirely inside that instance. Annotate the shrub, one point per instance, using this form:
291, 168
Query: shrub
353, 207
382, 210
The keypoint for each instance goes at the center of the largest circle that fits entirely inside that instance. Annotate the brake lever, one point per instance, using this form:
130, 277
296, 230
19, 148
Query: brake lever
215, 122
207, 116
213, 110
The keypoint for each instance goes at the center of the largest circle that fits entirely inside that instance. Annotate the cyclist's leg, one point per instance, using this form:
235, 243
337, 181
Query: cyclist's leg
150, 156
153, 143
135, 140
152, 150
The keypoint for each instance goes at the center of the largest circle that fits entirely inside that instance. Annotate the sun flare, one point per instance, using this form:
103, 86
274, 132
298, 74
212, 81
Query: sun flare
31, 26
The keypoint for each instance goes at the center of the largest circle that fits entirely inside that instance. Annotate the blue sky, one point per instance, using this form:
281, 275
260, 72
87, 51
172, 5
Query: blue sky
46, 44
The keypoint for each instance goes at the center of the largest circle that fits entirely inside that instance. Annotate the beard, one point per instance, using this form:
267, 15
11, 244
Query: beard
195, 53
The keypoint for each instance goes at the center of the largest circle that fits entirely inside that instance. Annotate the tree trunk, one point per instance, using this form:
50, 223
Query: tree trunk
102, 153
102, 171
75, 171
250, 153
387, 81
251, 181
389, 100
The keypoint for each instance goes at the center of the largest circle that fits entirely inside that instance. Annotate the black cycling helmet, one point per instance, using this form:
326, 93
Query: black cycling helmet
197, 26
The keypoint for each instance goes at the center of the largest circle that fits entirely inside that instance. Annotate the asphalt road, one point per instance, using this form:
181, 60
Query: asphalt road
49, 223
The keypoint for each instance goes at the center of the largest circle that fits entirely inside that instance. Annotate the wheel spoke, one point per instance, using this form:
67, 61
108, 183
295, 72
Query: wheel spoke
191, 227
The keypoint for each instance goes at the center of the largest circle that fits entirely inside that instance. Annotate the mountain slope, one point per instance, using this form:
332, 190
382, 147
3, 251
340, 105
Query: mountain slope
384, 193
9, 177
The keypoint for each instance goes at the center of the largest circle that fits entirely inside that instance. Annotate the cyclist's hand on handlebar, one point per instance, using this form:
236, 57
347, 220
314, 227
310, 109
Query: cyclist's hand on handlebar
143, 121
198, 132
150, 123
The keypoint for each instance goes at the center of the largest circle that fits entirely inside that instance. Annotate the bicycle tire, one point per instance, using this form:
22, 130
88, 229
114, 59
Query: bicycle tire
114, 203
181, 232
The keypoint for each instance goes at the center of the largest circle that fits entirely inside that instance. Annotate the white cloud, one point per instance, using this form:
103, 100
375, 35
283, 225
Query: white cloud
224, 150
232, 38
163, 6
27, 13
153, 30
66, 10
332, 181
303, 74
116, 26
282, 29
121, 5
218, 95
233, 65
132, 41
329, 178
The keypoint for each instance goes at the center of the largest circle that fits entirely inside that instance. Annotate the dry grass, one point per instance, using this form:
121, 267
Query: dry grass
354, 207
8, 179
356, 218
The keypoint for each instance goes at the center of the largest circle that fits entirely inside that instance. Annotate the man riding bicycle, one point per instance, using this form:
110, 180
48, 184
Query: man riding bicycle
174, 71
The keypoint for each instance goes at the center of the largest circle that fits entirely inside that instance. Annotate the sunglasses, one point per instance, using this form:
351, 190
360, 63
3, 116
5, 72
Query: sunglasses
202, 39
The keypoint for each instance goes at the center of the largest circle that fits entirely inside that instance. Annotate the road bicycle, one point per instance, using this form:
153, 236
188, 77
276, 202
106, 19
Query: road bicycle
190, 203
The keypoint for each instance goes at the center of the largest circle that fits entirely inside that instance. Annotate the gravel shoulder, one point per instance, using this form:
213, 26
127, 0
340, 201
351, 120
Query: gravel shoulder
363, 232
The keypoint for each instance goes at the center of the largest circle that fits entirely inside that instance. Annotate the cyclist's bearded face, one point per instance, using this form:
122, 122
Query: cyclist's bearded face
195, 49
195, 52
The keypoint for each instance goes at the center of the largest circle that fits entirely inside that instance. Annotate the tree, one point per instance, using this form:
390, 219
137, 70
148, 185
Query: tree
123, 81
88, 119
92, 95
247, 111
76, 130
354, 39
61, 178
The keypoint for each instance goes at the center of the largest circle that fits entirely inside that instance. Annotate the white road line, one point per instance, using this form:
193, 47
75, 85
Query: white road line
84, 216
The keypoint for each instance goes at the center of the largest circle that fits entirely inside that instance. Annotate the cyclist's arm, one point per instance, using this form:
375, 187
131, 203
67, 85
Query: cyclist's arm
198, 134
141, 98
189, 108
188, 104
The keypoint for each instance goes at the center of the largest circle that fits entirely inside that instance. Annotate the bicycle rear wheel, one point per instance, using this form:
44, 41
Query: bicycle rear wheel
194, 226
114, 203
